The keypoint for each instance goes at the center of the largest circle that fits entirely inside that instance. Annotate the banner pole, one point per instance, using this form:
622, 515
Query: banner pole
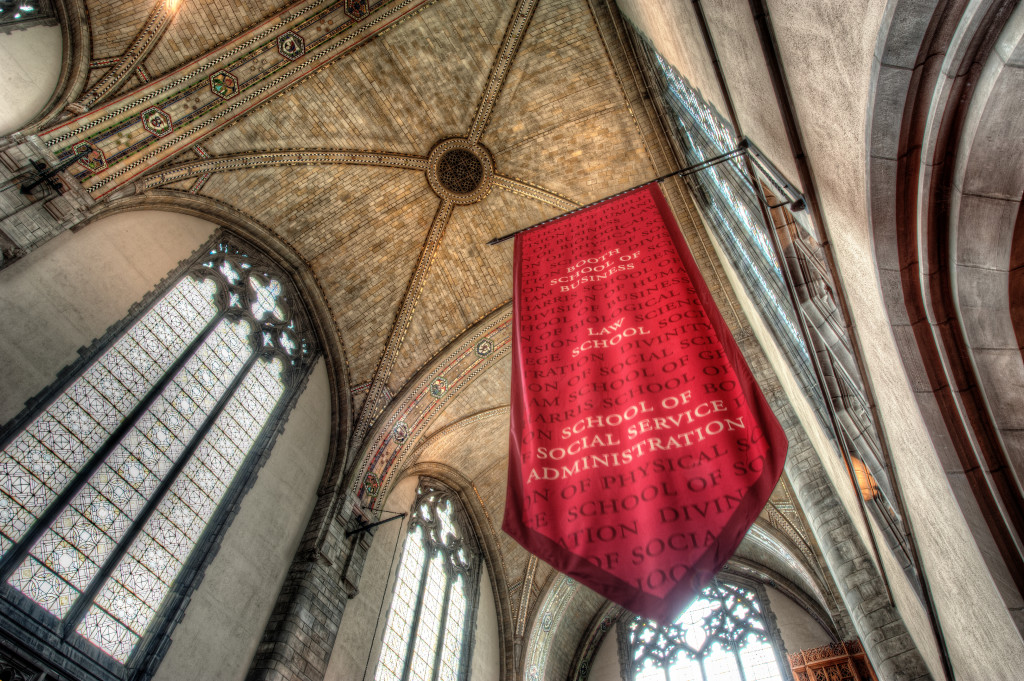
741, 148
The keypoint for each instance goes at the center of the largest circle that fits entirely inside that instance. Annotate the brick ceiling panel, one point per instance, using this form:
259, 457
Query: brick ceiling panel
468, 278
443, 56
347, 105
361, 241
460, 448
94, 77
401, 92
357, 402
115, 23
561, 120
366, 279
201, 25
490, 390
324, 209
183, 186
586, 160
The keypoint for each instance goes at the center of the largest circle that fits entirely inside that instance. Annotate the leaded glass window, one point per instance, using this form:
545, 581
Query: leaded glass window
107, 490
722, 636
730, 201
427, 632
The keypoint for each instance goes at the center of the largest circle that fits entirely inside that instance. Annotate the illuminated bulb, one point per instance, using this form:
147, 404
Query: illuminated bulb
865, 481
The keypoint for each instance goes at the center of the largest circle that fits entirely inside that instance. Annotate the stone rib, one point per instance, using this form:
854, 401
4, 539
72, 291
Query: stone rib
511, 184
156, 24
412, 296
263, 159
521, 16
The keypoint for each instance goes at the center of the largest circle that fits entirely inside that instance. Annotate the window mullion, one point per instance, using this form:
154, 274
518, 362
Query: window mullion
415, 626
739, 664
436, 669
14, 557
77, 611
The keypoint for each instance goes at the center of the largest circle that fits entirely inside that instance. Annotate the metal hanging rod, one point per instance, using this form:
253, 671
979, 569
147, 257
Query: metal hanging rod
47, 175
741, 148
370, 526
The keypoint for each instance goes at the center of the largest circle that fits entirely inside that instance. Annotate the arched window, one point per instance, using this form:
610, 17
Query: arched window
427, 632
721, 637
106, 490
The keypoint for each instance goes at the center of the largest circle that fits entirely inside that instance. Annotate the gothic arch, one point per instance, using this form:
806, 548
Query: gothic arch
321, 317
945, 147
391, 445
195, 563
562, 592
758, 563
1017, 280
487, 539
76, 43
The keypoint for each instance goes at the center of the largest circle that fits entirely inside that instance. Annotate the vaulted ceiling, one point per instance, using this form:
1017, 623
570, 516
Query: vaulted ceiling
333, 140
403, 269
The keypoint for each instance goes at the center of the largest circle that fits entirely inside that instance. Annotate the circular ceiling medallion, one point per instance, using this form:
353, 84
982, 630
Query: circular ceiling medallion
460, 170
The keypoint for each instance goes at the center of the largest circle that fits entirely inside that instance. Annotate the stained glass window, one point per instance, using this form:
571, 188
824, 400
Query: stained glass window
427, 626
721, 637
107, 491
732, 204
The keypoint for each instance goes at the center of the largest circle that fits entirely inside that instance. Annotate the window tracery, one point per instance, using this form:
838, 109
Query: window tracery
107, 490
427, 632
722, 636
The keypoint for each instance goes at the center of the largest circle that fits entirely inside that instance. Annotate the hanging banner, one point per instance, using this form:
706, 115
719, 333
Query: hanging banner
641, 448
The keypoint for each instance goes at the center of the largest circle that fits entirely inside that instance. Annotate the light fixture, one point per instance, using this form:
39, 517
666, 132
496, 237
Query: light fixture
866, 482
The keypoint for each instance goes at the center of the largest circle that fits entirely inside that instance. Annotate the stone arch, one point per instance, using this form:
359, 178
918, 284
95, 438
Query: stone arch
486, 538
289, 457
560, 593
321, 316
76, 44
945, 138
757, 563
1016, 283
391, 445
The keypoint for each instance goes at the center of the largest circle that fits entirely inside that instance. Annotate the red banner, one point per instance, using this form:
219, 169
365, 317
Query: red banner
641, 447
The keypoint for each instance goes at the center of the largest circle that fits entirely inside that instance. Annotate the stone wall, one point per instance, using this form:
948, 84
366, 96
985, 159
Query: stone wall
226, 615
32, 60
70, 291
828, 52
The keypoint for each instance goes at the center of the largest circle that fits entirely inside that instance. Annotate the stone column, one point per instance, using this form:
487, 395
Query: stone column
303, 626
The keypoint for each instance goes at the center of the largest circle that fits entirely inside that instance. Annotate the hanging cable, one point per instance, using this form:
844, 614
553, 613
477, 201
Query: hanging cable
384, 596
